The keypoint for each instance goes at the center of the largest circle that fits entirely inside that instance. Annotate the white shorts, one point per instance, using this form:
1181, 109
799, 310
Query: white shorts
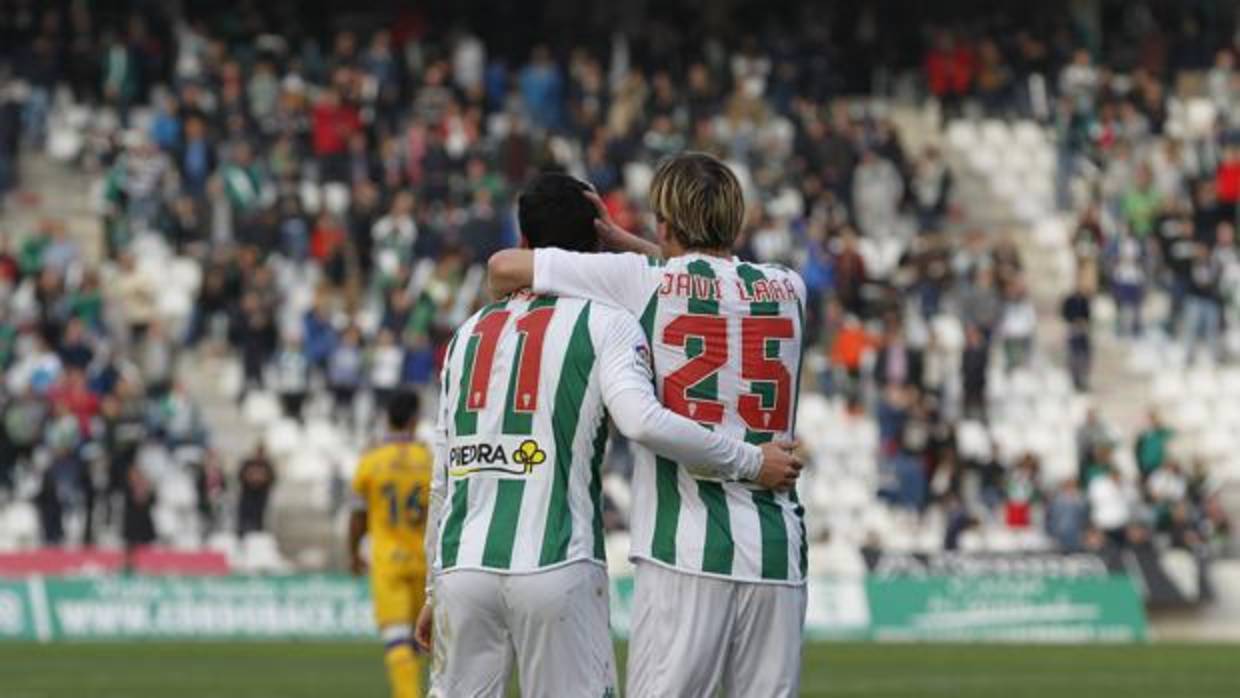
694, 635
554, 623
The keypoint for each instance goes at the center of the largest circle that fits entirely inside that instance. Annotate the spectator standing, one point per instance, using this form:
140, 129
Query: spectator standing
345, 373
1140, 204
1076, 314
254, 333
50, 508
139, 525
210, 487
974, 366
979, 303
876, 194
931, 186
291, 376
1128, 275
1017, 325
950, 65
386, 364
1151, 445
1202, 305
1109, 506
157, 360
1067, 516
896, 362
394, 236
849, 272
257, 476
1021, 493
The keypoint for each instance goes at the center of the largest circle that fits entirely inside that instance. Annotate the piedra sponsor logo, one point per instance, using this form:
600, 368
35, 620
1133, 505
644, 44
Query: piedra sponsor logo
495, 458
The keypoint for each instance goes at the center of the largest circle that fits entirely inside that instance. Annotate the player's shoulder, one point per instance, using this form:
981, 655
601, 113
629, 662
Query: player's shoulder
466, 328
635, 268
770, 269
384, 450
572, 306
602, 321
605, 315
484, 311
772, 272
372, 453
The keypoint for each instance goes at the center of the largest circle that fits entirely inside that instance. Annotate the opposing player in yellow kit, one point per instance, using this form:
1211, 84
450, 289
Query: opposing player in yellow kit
392, 483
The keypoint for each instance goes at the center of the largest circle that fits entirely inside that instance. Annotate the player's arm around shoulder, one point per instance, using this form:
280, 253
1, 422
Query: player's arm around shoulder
623, 279
509, 271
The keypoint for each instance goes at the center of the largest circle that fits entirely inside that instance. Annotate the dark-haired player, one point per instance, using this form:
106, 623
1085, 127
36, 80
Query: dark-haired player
530, 385
392, 483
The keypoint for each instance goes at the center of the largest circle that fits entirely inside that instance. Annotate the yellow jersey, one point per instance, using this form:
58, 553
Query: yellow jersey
394, 481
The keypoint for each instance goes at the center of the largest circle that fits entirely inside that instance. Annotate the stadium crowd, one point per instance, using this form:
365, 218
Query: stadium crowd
336, 197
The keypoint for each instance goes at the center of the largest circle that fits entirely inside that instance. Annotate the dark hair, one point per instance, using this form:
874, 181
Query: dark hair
554, 212
402, 409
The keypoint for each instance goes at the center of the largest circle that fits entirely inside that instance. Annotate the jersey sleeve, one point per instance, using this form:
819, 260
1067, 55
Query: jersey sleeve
623, 280
798, 285
439, 473
626, 379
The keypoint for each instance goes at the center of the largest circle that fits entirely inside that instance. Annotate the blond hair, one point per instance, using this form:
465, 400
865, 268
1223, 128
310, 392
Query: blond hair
700, 200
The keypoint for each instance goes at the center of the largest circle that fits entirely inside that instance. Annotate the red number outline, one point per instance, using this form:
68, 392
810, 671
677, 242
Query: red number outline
757, 367
534, 326
488, 330
713, 331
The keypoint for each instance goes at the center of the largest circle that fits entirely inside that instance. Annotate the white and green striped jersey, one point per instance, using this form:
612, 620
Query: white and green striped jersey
726, 341
528, 386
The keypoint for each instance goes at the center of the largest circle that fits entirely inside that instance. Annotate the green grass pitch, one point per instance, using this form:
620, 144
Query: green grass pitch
275, 670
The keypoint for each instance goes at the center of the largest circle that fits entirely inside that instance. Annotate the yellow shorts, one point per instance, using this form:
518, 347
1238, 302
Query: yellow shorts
398, 596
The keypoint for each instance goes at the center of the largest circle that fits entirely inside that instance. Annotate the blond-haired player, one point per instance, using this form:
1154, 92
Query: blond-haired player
393, 484
719, 596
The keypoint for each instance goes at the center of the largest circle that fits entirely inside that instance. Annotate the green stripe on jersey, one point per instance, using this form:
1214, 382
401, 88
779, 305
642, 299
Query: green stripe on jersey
574, 377
456, 521
750, 274
497, 553
520, 423
774, 535
647, 319
466, 419
667, 510
702, 306
718, 550
596, 485
708, 387
799, 511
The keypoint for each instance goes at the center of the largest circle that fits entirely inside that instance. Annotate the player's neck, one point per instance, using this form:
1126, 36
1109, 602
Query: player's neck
720, 252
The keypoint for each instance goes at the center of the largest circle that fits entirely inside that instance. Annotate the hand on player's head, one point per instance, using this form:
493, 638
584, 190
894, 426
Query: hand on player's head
607, 229
781, 466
